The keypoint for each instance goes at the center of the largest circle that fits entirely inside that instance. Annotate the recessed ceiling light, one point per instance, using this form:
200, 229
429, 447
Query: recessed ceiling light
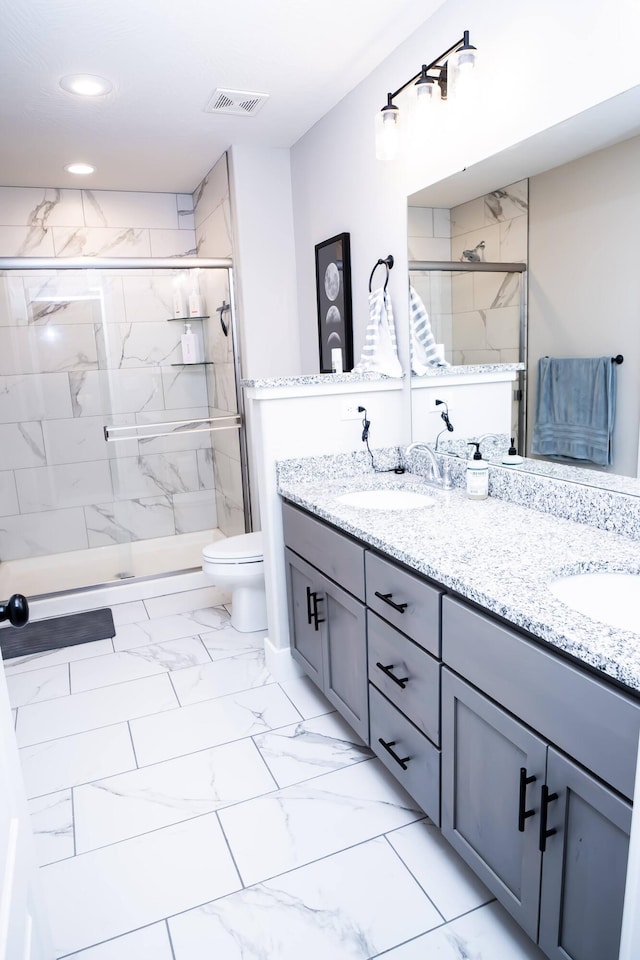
86, 85
80, 168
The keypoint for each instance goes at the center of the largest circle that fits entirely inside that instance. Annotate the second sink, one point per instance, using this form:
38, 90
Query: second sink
386, 500
612, 598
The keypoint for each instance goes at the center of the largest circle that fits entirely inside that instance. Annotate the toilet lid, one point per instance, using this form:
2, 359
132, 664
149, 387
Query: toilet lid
247, 548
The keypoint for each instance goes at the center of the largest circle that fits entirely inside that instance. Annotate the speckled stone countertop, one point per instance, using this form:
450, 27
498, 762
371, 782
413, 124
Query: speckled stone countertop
498, 554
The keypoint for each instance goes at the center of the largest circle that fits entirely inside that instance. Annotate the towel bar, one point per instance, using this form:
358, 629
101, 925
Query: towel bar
388, 263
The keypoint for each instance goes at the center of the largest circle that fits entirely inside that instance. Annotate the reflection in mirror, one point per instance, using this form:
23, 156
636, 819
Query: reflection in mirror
581, 219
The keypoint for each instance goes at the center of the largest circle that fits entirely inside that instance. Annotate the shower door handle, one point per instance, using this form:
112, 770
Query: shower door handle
15, 610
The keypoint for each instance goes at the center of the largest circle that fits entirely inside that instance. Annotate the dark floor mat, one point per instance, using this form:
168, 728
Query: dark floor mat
56, 632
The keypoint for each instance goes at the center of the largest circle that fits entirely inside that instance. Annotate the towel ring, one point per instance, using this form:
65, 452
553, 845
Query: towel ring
388, 263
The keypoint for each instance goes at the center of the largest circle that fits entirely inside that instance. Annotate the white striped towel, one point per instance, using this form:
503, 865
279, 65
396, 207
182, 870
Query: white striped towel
380, 351
424, 353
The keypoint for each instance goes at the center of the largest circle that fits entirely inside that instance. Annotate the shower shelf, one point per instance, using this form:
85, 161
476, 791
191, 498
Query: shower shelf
198, 363
186, 319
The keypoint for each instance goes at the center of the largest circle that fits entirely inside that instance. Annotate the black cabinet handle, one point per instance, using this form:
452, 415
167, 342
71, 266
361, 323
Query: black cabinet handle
316, 619
545, 800
309, 610
523, 813
402, 761
400, 607
402, 682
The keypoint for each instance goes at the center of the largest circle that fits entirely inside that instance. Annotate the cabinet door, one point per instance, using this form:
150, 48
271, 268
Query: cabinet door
484, 751
304, 621
345, 652
584, 865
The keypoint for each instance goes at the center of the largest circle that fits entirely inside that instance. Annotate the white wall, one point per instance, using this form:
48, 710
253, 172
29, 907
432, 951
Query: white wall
584, 296
262, 217
537, 70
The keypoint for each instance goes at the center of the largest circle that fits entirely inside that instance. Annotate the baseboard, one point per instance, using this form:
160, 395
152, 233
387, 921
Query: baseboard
280, 663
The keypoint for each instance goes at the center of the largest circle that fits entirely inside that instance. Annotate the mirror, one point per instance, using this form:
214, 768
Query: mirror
579, 216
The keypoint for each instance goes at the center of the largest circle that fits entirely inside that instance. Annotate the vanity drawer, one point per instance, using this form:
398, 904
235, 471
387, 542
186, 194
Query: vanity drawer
419, 603
337, 556
584, 716
419, 696
421, 778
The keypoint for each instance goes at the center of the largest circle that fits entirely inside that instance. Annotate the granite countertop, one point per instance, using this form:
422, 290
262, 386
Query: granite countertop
498, 554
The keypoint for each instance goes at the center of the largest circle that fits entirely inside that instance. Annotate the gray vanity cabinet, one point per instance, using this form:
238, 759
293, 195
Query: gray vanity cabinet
546, 835
327, 623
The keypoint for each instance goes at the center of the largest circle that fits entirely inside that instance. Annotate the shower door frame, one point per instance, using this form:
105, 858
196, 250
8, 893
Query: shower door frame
164, 263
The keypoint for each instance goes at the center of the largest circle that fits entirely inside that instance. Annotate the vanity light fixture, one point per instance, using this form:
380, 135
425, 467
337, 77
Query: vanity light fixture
86, 85
444, 78
81, 169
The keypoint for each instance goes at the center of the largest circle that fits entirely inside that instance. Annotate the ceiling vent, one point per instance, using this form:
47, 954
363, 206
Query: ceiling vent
237, 103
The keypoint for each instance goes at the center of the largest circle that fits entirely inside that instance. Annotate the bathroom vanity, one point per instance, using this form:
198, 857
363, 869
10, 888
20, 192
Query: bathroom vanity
510, 719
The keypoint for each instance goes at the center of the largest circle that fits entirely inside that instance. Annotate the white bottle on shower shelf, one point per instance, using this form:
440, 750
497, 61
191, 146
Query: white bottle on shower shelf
195, 304
189, 345
178, 304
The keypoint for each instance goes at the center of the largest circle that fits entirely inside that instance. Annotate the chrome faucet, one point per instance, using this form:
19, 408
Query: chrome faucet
437, 477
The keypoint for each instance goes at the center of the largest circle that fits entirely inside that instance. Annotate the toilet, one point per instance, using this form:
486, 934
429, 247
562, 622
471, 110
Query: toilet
237, 563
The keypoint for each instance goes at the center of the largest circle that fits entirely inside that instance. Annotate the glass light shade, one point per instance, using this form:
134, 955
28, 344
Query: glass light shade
387, 133
461, 67
428, 96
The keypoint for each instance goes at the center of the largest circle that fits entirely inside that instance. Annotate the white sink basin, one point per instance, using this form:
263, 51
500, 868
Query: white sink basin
612, 598
386, 500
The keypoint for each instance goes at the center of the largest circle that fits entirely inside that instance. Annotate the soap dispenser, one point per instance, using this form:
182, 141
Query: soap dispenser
189, 349
477, 475
512, 457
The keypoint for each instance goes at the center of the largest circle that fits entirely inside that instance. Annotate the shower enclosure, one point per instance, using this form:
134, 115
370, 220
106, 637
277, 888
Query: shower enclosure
117, 459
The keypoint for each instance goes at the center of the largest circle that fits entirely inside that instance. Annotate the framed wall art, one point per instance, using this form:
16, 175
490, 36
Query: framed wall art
333, 291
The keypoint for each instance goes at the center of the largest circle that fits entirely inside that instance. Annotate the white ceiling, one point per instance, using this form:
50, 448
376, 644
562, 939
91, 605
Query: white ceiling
165, 58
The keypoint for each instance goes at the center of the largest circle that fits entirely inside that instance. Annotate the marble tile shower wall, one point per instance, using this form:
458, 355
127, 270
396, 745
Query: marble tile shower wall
429, 238
212, 215
78, 350
487, 306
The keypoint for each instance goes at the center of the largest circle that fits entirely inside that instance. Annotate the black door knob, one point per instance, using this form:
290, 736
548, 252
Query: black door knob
15, 610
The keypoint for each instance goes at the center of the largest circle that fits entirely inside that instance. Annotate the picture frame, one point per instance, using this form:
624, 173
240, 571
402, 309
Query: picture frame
333, 293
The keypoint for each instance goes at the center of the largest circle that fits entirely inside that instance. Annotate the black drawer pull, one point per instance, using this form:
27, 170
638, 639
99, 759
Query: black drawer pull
402, 761
316, 619
402, 682
545, 800
523, 813
309, 610
400, 607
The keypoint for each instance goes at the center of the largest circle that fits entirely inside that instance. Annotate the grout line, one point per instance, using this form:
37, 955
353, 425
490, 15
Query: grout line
133, 747
231, 854
412, 874
73, 822
442, 926
101, 943
170, 938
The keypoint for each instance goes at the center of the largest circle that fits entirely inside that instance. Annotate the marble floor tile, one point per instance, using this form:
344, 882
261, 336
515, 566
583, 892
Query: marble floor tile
118, 889
150, 943
36, 685
487, 933
52, 719
310, 748
241, 672
117, 808
228, 642
132, 612
441, 873
306, 697
187, 602
301, 823
76, 759
350, 906
36, 661
137, 662
161, 629
211, 723
52, 825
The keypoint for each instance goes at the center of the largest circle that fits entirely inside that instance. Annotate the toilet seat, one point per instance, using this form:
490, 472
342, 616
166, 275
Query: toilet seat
245, 548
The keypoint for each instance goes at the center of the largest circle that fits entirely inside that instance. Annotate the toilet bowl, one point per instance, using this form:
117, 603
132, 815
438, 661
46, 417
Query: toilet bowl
237, 563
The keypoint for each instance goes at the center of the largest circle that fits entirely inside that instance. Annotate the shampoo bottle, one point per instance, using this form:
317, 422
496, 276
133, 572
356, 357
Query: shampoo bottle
195, 304
477, 475
189, 348
178, 303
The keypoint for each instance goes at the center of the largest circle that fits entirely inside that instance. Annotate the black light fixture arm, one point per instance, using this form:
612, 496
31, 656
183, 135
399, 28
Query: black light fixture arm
438, 63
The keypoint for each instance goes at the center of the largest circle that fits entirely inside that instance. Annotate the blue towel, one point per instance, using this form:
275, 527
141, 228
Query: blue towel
575, 408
